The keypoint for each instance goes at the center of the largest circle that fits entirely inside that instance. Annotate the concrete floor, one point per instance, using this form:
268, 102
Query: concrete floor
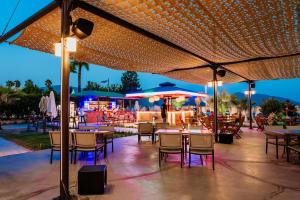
9, 148
243, 171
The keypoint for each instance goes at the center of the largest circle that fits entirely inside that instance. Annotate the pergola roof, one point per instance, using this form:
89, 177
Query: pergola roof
252, 40
94, 93
166, 91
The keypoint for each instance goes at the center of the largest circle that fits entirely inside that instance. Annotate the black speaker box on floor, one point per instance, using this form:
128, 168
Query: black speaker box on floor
226, 138
92, 179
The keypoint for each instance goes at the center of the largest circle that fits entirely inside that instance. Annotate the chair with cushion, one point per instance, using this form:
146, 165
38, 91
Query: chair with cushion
201, 144
110, 136
170, 143
55, 143
86, 142
145, 129
274, 139
160, 125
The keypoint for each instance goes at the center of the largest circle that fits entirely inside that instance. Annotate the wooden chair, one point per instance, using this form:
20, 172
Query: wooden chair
235, 128
207, 123
160, 125
201, 144
55, 143
86, 142
170, 143
145, 129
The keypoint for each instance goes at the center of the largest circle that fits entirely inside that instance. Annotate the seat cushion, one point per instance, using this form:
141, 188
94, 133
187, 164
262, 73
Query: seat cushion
83, 148
170, 150
201, 151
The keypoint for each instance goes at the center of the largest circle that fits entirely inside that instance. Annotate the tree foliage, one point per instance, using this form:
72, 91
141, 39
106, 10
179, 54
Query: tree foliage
17, 84
31, 88
130, 81
48, 84
76, 67
271, 105
96, 86
10, 84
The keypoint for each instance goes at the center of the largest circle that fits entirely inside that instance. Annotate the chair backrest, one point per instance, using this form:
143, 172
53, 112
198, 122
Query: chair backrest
170, 140
55, 138
106, 128
241, 121
85, 139
88, 128
207, 123
293, 127
204, 140
161, 125
145, 127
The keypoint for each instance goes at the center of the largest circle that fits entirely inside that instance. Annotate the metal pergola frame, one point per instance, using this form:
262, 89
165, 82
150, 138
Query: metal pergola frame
66, 8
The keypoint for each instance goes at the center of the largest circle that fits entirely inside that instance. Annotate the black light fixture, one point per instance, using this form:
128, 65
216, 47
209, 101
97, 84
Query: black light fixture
82, 28
221, 72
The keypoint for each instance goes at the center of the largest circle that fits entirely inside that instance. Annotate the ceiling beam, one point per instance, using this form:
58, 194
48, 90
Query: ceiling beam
103, 14
189, 68
48, 8
257, 59
232, 72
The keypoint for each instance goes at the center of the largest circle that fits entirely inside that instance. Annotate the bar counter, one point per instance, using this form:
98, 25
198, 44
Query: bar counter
173, 117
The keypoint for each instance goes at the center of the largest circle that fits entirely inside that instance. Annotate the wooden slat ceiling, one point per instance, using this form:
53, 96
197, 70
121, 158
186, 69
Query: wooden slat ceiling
219, 30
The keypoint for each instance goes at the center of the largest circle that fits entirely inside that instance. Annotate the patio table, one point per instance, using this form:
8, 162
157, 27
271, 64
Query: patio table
104, 134
185, 133
287, 134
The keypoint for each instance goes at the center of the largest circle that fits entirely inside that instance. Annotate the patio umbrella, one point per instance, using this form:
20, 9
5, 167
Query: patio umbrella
51, 108
43, 104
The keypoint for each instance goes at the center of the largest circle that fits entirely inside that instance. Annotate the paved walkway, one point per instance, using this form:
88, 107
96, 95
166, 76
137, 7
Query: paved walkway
243, 171
10, 148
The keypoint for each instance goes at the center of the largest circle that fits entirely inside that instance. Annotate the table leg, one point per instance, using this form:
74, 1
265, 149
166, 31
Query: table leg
185, 141
105, 146
287, 142
276, 139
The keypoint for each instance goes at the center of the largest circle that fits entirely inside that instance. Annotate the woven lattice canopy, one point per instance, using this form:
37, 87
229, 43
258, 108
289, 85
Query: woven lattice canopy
253, 40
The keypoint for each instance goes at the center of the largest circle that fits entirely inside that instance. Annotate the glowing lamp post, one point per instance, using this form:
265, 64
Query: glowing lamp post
249, 94
71, 46
218, 83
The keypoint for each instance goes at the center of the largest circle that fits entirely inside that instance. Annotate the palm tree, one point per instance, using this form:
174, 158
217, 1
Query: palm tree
76, 66
48, 84
17, 84
10, 84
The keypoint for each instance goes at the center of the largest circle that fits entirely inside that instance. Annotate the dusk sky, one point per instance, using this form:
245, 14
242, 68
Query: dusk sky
18, 63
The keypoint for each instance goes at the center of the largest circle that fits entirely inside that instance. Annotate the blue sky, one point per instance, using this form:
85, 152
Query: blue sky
18, 63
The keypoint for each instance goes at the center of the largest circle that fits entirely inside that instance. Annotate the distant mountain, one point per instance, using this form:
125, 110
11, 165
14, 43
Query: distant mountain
258, 98
56, 88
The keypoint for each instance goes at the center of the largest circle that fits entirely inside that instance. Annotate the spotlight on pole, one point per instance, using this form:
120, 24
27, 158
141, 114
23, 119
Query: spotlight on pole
221, 73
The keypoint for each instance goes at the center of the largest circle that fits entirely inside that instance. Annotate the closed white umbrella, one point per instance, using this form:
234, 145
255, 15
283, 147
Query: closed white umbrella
136, 106
51, 108
43, 104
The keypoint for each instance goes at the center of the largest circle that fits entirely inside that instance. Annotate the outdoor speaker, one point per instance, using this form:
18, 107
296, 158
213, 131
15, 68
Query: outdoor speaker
92, 179
221, 73
252, 85
82, 28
